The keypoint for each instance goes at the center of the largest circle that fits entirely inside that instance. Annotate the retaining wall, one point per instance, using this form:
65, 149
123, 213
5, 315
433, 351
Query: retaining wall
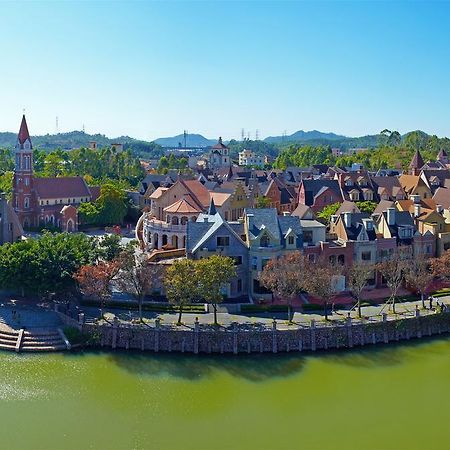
248, 339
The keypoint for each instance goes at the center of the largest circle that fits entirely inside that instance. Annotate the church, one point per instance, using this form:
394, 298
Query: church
42, 202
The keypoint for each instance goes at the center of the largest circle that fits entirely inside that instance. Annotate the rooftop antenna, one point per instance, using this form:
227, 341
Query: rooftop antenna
56, 126
248, 136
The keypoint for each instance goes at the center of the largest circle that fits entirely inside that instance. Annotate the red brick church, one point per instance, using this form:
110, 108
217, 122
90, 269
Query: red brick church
44, 201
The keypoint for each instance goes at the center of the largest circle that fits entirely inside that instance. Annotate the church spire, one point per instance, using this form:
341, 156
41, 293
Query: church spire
416, 163
24, 134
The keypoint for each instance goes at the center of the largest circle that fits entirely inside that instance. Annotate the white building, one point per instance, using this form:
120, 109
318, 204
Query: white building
249, 158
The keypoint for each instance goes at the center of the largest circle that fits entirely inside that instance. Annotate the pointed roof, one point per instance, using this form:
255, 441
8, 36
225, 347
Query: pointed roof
182, 206
23, 132
219, 145
212, 208
417, 161
442, 155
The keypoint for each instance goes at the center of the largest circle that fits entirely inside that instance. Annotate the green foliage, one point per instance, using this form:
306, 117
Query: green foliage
6, 180
262, 202
304, 156
326, 213
172, 162
366, 206
46, 264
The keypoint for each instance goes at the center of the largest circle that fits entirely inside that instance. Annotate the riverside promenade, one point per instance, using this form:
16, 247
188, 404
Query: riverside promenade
239, 333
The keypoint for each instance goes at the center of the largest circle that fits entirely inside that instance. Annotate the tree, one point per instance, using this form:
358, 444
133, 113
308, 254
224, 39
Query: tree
357, 279
214, 273
441, 266
419, 275
262, 202
182, 286
89, 214
366, 206
110, 246
284, 277
138, 277
111, 205
326, 213
320, 281
393, 272
94, 280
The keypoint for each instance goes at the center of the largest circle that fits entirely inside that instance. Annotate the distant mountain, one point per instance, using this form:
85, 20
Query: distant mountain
192, 140
301, 135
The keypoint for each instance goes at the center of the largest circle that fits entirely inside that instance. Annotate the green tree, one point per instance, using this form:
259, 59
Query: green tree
326, 213
366, 206
214, 273
182, 284
111, 204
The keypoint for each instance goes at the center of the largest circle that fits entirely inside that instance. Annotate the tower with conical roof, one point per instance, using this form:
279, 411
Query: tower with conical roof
442, 156
416, 163
23, 176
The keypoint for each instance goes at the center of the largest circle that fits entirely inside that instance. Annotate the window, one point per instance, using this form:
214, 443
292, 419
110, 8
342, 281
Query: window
254, 263
307, 236
291, 240
366, 256
341, 259
239, 285
27, 181
223, 241
237, 260
26, 202
264, 241
332, 259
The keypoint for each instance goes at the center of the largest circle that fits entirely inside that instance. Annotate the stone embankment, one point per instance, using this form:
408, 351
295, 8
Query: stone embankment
258, 338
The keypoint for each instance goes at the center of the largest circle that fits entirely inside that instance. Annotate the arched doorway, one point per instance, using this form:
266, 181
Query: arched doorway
175, 241
155, 241
70, 225
164, 239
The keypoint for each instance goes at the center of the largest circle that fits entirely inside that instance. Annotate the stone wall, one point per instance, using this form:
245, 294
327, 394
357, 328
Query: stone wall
254, 339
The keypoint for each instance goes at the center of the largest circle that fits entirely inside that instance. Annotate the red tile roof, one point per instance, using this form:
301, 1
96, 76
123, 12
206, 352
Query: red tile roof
63, 187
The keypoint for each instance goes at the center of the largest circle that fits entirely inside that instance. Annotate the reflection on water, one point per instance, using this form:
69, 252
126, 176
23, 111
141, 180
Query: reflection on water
263, 367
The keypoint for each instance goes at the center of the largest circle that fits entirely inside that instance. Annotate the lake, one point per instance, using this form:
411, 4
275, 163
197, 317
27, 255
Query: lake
394, 397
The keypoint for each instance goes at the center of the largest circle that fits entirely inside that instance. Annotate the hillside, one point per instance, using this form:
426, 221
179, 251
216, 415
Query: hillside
192, 140
305, 136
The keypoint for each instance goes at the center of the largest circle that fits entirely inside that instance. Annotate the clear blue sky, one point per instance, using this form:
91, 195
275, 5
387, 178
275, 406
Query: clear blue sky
152, 69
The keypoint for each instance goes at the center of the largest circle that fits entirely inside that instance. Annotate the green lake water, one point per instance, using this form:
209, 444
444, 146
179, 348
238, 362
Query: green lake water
384, 398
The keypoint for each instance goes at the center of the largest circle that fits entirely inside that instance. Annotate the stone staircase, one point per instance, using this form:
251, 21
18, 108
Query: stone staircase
34, 340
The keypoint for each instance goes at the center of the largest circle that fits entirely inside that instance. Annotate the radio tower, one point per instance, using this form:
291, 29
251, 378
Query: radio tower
257, 135
185, 137
56, 126
242, 134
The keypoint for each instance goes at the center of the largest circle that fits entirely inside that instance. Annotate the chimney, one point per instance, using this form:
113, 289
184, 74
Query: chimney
347, 219
286, 213
333, 218
415, 199
390, 216
416, 209
440, 209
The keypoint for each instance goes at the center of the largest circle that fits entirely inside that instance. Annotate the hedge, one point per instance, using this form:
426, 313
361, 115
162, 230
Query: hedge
155, 307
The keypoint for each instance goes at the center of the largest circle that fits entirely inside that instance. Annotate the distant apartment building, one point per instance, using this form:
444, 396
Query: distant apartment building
250, 158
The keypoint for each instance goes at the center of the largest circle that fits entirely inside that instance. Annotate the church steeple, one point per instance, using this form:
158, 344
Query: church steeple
23, 137
416, 163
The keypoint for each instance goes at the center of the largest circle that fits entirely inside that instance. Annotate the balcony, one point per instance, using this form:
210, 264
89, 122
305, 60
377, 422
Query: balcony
155, 225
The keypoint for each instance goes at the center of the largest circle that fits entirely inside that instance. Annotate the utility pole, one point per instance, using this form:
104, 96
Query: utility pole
257, 135
56, 126
185, 137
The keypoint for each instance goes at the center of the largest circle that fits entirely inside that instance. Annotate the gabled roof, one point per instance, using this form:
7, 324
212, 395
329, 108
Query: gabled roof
348, 206
219, 145
198, 191
442, 197
262, 218
356, 226
303, 211
62, 187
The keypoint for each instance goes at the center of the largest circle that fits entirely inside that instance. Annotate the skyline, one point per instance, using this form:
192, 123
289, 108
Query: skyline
150, 70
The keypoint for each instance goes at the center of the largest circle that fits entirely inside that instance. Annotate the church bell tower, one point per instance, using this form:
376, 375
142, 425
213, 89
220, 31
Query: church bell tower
23, 176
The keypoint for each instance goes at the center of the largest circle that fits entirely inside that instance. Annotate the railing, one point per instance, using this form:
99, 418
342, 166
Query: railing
159, 225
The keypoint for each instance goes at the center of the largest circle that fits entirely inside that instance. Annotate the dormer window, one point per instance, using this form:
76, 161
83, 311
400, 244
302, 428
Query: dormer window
291, 240
264, 241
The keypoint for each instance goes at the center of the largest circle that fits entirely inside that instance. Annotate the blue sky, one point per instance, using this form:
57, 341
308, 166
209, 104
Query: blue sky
152, 69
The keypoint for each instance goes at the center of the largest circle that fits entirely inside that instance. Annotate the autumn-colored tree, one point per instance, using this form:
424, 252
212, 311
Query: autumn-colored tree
214, 273
182, 284
357, 278
419, 275
138, 277
393, 271
95, 280
320, 281
441, 266
284, 276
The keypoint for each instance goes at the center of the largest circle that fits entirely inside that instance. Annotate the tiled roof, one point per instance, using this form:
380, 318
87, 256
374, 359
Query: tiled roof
158, 192
63, 187
417, 161
198, 190
259, 218
182, 206
442, 197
